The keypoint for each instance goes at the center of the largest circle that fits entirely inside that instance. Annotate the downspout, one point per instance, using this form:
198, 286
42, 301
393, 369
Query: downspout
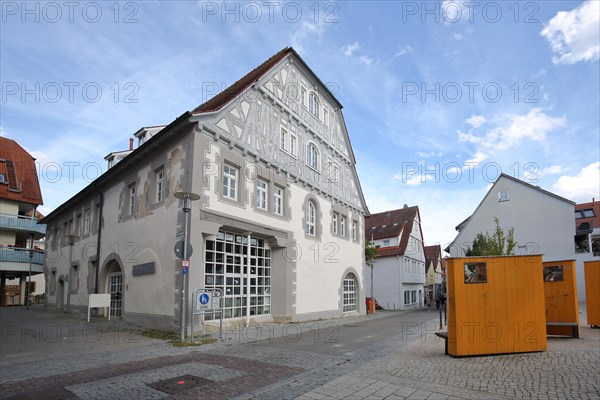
97, 269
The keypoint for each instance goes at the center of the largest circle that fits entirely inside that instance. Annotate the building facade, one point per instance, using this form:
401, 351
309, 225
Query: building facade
21, 253
278, 227
542, 221
433, 273
399, 269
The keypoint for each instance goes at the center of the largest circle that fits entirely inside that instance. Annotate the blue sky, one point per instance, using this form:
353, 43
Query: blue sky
439, 97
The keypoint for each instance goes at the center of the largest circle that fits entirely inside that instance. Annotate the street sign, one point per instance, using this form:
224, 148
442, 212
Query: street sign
207, 301
178, 249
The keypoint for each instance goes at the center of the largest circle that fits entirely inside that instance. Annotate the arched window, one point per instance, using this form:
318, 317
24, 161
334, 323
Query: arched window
312, 156
313, 104
311, 211
349, 293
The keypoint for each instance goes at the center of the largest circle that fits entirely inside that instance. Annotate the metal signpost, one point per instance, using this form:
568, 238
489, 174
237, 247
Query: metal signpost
186, 252
208, 301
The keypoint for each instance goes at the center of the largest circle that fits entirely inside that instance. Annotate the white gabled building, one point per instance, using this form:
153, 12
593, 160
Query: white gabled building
399, 270
271, 160
542, 221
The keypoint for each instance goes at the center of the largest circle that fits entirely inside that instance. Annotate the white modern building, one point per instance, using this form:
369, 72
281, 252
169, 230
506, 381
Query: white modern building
21, 254
278, 227
399, 270
542, 222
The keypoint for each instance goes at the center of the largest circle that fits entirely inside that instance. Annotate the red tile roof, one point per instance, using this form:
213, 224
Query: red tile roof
388, 224
227, 95
18, 168
234, 90
433, 251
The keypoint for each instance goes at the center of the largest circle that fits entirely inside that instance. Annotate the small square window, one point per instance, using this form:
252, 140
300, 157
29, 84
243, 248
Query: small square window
475, 272
503, 196
553, 273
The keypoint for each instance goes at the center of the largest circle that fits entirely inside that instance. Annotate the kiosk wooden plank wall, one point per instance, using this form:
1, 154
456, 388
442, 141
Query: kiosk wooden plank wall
560, 287
592, 292
495, 305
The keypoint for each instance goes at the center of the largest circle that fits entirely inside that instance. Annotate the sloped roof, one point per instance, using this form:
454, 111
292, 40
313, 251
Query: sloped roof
503, 175
389, 224
433, 251
18, 168
227, 95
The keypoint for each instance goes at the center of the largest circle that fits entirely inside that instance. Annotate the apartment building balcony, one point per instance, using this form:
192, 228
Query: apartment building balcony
21, 223
17, 259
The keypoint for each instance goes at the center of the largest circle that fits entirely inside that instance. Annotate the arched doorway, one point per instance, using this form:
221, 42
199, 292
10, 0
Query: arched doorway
60, 293
112, 278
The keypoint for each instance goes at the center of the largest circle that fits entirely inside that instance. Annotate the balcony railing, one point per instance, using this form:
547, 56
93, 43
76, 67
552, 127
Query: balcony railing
21, 255
21, 223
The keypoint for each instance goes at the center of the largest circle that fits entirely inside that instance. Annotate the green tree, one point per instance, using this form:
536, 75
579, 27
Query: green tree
497, 244
370, 253
370, 256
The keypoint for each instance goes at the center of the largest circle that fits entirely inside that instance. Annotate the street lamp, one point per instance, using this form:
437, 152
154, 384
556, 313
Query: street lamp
187, 198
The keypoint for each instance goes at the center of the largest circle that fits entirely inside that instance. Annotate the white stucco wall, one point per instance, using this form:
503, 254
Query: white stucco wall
543, 224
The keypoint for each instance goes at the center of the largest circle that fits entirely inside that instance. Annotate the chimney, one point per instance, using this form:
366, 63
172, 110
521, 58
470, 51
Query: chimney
130, 143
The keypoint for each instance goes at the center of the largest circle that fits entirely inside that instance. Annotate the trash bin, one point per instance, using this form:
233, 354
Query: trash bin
370, 306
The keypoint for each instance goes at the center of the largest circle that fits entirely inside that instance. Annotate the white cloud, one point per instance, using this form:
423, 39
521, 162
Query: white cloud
403, 50
456, 10
457, 36
305, 30
575, 35
552, 170
349, 49
511, 129
476, 121
365, 60
581, 187
429, 154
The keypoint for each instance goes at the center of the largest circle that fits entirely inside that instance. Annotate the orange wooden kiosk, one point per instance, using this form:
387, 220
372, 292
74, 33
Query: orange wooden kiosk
592, 292
495, 305
560, 288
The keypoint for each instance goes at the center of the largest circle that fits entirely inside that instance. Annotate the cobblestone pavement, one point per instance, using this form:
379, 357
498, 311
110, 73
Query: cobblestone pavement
334, 360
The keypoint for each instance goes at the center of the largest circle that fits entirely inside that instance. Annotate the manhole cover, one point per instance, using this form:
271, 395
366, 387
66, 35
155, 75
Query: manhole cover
179, 384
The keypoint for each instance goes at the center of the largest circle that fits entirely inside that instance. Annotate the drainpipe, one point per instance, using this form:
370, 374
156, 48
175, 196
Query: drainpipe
97, 269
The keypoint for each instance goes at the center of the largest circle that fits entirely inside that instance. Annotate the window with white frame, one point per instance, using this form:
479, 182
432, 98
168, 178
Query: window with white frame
335, 223
349, 293
342, 225
160, 184
325, 117
230, 182
278, 200
313, 104
261, 194
283, 141
293, 145
312, 156
132, 198
311, 211
503, 196
407, 297
386, 242
354, 230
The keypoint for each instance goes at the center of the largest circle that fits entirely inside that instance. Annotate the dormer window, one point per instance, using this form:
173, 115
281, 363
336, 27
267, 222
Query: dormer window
313, 104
